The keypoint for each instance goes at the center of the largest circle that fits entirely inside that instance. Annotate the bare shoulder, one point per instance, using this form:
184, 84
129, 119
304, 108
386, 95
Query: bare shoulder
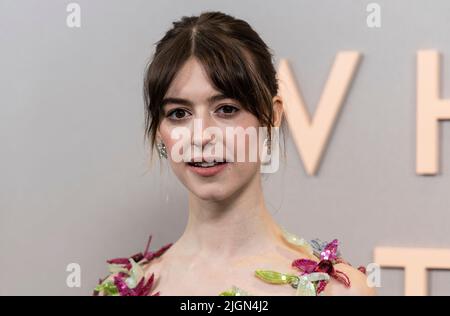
358, 283
152, 267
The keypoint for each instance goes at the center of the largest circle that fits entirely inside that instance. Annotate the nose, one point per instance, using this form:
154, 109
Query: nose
200, 137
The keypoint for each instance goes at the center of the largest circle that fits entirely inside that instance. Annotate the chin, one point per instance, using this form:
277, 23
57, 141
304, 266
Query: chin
219, 187
211, 191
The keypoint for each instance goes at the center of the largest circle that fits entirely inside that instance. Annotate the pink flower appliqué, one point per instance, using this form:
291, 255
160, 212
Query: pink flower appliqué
328, 257
130, 280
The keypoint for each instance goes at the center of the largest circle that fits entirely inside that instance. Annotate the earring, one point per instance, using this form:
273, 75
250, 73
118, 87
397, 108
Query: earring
162, 150
266, 156
267, 143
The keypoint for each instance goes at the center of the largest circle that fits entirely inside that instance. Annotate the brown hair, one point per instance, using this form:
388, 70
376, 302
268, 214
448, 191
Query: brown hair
237, 61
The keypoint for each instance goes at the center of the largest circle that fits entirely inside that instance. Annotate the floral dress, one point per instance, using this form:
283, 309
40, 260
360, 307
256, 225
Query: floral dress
127, 277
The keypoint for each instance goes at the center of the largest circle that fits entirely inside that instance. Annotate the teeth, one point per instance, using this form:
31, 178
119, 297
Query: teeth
205, 164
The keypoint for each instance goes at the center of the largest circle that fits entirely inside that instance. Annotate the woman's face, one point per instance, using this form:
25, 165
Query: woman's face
190, 109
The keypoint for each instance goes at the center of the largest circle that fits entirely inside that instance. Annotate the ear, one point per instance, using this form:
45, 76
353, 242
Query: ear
278, 110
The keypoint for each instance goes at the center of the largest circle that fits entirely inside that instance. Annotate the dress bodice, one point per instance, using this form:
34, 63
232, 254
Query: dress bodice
127, 277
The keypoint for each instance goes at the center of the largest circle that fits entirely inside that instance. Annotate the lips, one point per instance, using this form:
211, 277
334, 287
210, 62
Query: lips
207, 169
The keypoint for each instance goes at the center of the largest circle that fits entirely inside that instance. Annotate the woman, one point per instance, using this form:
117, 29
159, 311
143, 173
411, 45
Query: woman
211, 74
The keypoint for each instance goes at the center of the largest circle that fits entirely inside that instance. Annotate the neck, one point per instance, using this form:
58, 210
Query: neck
239, 225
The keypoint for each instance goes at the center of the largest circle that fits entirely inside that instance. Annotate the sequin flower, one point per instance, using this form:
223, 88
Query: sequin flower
314, 275
329, 256
128, 275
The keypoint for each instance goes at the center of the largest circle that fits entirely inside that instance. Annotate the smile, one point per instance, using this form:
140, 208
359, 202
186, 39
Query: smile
207, 169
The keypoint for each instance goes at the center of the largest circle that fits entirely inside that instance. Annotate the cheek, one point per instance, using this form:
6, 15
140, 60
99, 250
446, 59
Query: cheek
166, 130
246, 168
246, 144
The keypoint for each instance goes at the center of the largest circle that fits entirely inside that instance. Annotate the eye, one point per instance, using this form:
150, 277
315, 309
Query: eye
177, 114
227, 110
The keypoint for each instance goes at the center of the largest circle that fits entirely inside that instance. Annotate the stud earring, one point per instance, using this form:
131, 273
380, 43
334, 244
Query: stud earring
162, 150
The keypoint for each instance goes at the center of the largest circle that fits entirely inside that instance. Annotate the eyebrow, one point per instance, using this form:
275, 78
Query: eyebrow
181, 101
